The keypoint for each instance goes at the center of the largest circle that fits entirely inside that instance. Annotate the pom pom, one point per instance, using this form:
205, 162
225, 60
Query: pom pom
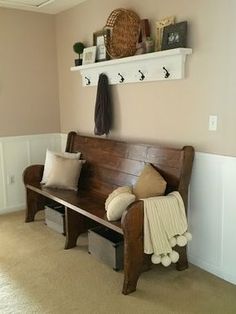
188, 236
181, 240
174, 256
156, 259
172, 242
166, 261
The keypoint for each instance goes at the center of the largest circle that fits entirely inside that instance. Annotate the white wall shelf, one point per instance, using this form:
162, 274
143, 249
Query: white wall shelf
155, 66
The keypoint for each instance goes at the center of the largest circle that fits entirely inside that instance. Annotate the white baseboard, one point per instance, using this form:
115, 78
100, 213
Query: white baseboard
12, 209
195, 260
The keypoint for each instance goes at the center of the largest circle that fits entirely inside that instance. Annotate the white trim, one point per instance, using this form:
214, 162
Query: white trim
210, 215
13, 209
217, 271
27, 137
29, 149
3, 176
12, 3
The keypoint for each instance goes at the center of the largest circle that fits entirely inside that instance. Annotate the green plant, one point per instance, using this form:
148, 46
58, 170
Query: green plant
78, 48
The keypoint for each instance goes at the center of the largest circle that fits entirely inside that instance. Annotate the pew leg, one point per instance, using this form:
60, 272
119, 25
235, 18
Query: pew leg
134, 258
133, 263
35, 203
75, 225
182, 263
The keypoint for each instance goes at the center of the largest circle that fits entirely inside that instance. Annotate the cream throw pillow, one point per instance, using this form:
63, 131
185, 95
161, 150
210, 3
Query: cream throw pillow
118, 205
49, 160
122, 189
150, 183
64, 173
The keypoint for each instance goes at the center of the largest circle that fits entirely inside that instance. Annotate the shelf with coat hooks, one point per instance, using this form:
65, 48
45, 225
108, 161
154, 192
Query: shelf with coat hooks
154, 66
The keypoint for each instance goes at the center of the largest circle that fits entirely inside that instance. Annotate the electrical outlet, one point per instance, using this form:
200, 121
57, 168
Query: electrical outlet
212, 124
10, 179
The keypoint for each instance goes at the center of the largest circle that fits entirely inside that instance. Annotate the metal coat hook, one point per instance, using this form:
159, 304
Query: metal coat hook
167, 73
88, 80
142, 75
121, 78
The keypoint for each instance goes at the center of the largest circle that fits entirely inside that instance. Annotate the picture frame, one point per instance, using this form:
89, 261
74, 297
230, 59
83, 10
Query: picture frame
89, 55
159, 29
99, 42
175, 36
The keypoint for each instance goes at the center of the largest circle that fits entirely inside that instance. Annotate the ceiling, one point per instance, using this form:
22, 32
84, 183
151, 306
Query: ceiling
42, 6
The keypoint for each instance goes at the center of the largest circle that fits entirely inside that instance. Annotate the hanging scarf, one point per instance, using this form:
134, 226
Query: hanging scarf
103, 110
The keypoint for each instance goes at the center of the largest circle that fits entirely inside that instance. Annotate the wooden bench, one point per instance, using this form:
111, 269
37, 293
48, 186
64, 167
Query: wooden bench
109, 164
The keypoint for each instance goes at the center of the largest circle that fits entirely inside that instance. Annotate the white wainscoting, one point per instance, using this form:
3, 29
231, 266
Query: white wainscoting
212, 201
16, 153
63, 141
212, 215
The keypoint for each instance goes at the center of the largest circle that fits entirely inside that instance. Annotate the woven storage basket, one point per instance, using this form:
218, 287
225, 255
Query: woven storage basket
122, 32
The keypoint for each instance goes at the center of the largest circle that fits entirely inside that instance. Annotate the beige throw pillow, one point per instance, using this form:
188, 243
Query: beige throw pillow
49, 160
150, 183
122, 189
64, 173
118, 205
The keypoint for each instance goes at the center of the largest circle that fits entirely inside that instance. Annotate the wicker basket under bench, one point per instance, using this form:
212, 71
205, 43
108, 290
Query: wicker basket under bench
109, 164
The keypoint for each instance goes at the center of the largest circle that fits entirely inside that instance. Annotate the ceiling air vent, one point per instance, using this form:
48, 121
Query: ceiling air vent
26, 3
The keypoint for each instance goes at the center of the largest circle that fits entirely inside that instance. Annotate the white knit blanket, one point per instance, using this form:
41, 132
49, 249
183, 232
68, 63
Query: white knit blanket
164, 218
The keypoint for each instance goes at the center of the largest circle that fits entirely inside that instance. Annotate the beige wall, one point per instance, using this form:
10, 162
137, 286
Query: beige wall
174, 111
28, 74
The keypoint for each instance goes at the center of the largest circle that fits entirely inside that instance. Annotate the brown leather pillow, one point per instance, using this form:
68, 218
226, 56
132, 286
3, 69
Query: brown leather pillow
150, 183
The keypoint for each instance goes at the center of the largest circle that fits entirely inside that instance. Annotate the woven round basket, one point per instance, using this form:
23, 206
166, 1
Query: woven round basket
122, 32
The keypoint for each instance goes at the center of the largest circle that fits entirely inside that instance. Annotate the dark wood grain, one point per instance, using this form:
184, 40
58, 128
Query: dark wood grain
110, 164
75, 225
33, 174
35, 203
132, 225
116, 163
87, 204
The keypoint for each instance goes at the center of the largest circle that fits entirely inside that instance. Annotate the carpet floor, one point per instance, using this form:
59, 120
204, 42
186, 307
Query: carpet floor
38, 276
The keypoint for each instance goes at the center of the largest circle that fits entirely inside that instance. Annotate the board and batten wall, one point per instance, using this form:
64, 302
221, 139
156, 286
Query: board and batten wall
16, 153
212, 214
174, 112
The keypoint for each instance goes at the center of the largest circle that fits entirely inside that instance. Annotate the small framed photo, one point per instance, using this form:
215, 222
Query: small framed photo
159, 29
174, 36
89, 55
99, 41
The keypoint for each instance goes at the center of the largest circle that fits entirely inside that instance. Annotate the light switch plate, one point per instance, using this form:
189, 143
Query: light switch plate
212, 126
